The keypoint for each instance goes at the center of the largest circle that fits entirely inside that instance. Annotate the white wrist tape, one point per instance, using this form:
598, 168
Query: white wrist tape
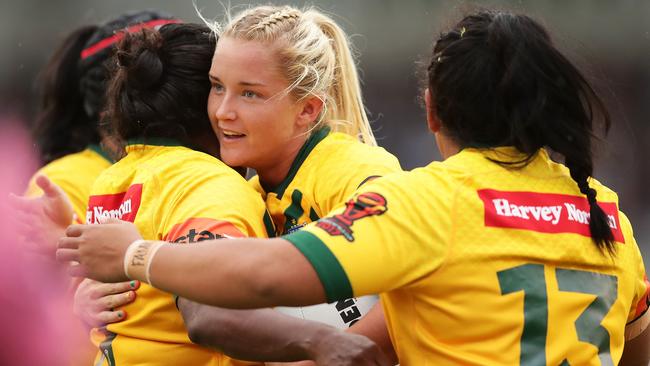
138, 258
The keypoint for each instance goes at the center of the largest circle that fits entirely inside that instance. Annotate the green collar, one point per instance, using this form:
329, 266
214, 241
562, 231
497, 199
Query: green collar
154, 141
304, 152
98, 149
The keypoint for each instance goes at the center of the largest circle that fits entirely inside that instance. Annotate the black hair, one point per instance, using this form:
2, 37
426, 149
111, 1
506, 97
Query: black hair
160, 85
73, 84
62, 126
100, 48
496, 79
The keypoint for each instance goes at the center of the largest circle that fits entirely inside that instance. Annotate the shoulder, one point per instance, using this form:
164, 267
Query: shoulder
339, 147
341, 157
72, 172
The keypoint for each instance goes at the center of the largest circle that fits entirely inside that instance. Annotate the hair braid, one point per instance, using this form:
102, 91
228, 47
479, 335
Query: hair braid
275, 18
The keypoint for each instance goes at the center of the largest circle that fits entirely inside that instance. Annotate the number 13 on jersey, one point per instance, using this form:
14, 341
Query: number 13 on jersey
599, 292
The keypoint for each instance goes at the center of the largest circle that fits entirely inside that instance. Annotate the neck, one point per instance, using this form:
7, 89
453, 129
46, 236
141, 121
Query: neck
446, 145
273, 174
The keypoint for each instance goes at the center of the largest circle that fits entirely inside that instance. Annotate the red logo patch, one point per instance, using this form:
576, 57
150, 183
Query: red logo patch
544, 212
364, 205
123, 206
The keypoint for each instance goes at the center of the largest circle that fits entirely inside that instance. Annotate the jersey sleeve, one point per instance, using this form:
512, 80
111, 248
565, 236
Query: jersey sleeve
377, 241
205, 205
347, 174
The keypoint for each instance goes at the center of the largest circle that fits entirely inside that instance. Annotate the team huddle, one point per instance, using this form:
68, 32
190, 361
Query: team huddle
330, 254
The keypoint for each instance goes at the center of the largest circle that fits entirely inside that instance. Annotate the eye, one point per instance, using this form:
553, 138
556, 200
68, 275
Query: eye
218, 87
249, 94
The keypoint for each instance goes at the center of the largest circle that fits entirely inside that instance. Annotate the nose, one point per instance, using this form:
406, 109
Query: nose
226, 110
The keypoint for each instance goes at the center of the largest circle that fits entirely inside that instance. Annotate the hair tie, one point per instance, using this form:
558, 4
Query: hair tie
462, 32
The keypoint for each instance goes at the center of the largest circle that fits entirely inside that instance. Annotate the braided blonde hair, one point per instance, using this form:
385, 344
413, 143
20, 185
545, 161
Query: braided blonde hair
315, 57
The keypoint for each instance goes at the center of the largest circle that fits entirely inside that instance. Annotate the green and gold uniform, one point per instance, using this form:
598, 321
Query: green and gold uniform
179, 195
481, 264
327, 170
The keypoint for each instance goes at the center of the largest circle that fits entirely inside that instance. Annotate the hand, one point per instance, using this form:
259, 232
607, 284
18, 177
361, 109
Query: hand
97, 251
94, 302
41, 221
337, 348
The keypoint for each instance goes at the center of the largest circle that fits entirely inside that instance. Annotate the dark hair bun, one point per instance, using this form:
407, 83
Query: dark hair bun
92, 67
140, 55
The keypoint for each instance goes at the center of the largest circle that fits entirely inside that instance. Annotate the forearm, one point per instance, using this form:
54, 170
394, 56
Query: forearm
253, 335
373, 326
242, 273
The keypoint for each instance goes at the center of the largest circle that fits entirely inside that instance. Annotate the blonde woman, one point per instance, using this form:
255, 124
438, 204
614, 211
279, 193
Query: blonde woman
286, 101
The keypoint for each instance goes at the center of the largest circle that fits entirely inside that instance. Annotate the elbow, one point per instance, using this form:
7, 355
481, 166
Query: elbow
213, 328
200, 333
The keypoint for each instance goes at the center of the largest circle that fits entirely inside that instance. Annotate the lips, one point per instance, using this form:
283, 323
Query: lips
231, 135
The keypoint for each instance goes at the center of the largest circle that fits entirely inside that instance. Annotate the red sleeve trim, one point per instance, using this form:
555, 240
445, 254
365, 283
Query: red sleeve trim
644, 303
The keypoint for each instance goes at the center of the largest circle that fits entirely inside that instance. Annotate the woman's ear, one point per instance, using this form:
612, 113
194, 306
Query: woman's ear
432, 117
311, 109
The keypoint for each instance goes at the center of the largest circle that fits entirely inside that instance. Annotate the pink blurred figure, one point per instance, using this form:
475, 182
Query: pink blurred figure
36, 314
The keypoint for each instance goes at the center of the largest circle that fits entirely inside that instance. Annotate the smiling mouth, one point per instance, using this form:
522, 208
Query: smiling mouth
232, 135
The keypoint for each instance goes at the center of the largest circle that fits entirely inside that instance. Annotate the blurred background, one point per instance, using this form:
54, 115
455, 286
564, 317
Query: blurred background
609, 40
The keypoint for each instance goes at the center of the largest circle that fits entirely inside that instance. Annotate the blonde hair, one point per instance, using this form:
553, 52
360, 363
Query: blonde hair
315, 57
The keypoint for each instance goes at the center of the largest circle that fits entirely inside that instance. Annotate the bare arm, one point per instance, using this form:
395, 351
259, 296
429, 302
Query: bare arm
637, 349
373, 326
237, 273
267, 335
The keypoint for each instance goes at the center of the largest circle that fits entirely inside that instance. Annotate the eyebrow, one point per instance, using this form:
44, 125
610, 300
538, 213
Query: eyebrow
214, 78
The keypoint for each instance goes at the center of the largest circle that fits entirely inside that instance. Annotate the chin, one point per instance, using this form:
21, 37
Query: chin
231, 160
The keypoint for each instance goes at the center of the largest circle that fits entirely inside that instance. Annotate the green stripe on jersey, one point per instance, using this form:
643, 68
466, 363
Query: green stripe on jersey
310, 144
268, 225
330, 272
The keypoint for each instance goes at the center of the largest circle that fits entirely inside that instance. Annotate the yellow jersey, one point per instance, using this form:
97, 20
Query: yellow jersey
328, 168
481, 264
179, 195
75, 174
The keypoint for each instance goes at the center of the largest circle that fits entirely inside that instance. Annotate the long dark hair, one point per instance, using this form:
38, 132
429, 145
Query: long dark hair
160, 84
496, 79
62, 126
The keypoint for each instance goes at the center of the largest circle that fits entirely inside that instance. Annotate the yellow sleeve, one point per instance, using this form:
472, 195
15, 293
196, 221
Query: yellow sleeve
350, 171
203, 205
378, 241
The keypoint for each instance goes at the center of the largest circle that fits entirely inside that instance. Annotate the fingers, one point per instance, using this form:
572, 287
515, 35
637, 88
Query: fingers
116, 301
108, 317
76, 270
68, 243
67, 255
75, 230
49, 189
104, 289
